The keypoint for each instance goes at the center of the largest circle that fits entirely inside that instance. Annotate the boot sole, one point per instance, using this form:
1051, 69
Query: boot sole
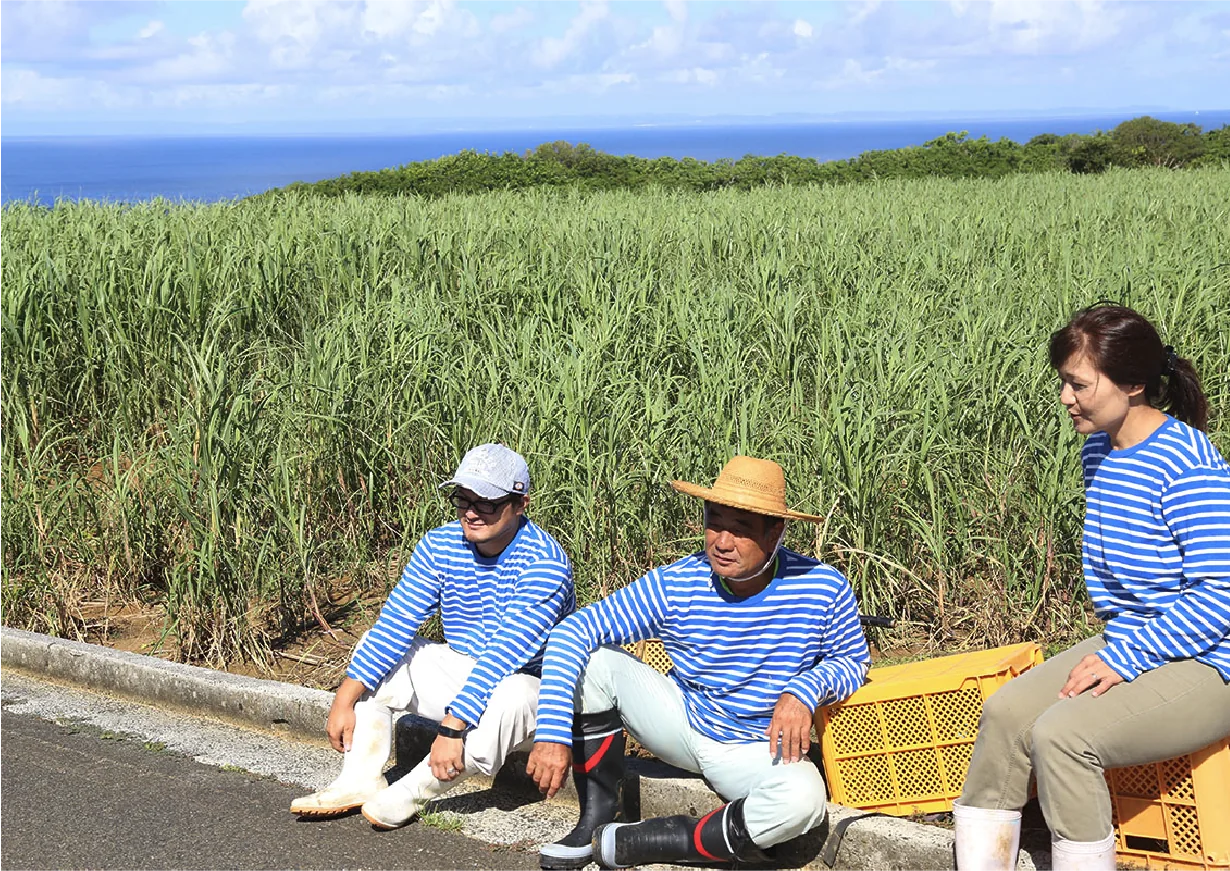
382, 825
563, 863
321, 813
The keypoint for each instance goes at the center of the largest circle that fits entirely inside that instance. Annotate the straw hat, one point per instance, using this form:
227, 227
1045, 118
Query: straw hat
750, 484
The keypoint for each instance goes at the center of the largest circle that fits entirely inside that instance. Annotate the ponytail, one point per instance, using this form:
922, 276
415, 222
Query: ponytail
1183, 397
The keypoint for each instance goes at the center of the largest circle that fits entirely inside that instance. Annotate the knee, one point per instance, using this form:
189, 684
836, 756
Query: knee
788, 803
1000, 714
807, 788
596, 688
1007, 723
1058, 737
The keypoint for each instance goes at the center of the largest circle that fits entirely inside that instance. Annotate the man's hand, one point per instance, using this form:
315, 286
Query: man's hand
340, 725
790, 728
548, 766
447, 754
1092, 674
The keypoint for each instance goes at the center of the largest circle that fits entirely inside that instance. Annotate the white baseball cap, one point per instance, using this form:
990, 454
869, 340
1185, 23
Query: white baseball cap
492, 471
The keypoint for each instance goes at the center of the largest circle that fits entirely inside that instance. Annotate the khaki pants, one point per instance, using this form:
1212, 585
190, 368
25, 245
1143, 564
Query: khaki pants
1067, 744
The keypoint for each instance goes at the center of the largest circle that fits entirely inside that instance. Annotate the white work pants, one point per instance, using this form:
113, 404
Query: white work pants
429, 677
781, 800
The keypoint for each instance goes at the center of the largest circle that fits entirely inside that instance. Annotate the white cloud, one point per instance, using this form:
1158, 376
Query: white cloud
209, 57
909, 65
298, 32
387, 19
27, 87
54, 29
514, 20
218, 96
554, 50
853, 73
865, 10
296, 55
695, 75
1037, 27
664, 42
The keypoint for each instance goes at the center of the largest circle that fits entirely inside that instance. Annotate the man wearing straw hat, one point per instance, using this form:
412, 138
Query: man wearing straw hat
759, 637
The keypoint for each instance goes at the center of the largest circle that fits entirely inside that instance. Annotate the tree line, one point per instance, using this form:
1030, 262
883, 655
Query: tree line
1143, 141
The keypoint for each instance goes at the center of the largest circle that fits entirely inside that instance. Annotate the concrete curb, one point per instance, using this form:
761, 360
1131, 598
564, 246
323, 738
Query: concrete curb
272, 706
849, 838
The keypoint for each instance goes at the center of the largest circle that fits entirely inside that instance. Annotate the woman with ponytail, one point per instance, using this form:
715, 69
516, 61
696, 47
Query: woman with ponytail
1156, 559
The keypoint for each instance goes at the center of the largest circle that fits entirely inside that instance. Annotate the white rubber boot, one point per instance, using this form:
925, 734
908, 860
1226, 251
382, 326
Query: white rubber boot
361, 777
1083, 855
401, 801
987, 839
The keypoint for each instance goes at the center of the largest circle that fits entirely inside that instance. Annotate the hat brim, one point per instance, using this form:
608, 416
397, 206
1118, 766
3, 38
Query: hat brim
477, 486
731, 501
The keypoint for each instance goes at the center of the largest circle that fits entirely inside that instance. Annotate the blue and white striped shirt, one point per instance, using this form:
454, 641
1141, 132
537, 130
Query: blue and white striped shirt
1156, 550
733, 657
498, 610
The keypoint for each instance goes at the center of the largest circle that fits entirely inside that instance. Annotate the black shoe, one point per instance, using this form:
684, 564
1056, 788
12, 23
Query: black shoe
598, 744
719, 838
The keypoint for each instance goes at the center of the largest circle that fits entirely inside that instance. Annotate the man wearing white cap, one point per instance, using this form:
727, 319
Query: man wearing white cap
499, 583
759, 637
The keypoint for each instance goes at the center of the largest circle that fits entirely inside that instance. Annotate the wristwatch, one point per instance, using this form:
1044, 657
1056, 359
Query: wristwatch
448, 732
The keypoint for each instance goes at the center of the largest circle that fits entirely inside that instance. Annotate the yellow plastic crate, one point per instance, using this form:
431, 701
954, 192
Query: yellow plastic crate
902, 744
1174, 814
652, 653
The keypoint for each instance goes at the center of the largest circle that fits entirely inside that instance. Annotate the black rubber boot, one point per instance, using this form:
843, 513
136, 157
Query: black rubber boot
598, 744
719, 838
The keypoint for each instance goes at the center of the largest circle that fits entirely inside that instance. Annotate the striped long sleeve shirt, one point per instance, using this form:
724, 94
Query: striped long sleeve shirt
733, 657
1156, 549
498, 610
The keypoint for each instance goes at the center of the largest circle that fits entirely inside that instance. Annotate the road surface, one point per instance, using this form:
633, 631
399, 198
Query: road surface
80, 795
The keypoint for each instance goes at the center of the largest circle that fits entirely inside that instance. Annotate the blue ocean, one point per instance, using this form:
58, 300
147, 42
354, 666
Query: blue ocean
212, 168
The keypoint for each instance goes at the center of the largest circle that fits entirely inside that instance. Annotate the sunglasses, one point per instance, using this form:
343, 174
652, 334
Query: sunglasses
483, 507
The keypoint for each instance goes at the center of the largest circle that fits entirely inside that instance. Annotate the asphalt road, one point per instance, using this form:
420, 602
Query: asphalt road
75, 796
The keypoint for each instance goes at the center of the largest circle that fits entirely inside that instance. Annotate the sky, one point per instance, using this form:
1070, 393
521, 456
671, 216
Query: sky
394, 66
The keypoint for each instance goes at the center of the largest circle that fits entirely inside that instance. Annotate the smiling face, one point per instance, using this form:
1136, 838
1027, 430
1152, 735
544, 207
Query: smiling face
1094, 402
737, 542
488, 525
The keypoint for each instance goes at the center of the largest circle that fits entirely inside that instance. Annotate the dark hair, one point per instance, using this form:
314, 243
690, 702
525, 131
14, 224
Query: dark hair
1126, 348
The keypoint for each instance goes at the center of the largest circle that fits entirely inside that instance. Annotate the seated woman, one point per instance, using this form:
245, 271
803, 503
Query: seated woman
1156, 557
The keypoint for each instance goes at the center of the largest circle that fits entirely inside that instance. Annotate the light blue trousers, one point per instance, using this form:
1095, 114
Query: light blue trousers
782, 800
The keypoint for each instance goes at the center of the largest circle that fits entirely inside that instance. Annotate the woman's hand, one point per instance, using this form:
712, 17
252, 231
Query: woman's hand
1092, 674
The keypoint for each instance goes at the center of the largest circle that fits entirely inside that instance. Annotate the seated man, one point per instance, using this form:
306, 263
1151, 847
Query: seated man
759, 637
500, 583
